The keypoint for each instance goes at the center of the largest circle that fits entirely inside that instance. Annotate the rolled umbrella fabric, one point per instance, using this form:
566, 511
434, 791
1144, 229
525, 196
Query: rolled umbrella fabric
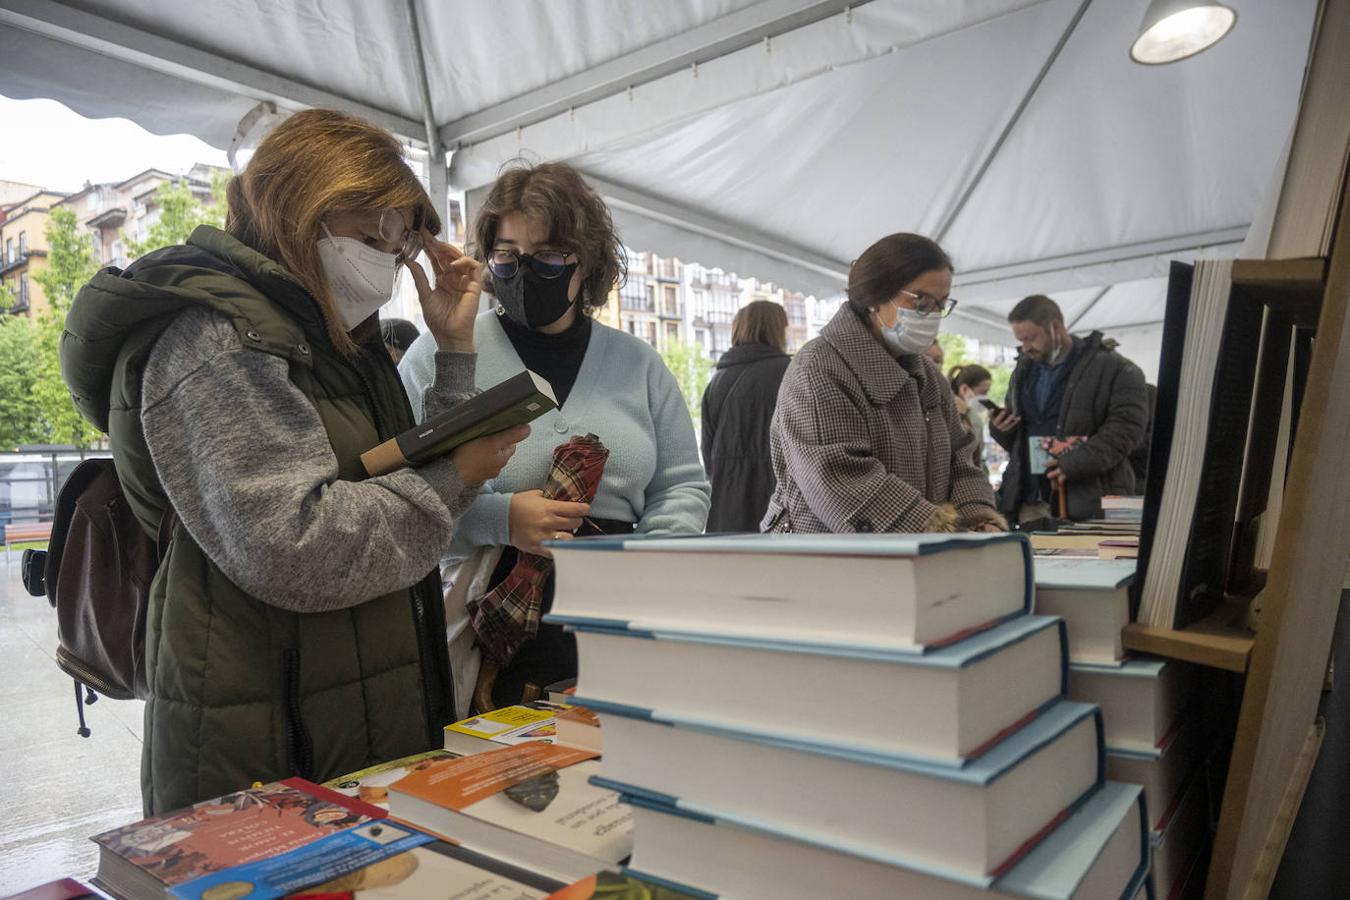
508, 615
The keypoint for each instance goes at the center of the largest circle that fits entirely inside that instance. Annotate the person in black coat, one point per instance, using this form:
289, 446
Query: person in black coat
737, 408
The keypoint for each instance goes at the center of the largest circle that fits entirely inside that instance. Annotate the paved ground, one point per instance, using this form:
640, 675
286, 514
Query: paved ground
61, 788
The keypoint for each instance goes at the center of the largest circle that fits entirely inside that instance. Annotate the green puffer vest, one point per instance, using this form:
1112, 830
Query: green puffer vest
241, 691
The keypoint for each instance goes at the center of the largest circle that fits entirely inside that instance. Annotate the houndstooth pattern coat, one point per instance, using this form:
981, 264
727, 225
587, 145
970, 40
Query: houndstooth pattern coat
862, 441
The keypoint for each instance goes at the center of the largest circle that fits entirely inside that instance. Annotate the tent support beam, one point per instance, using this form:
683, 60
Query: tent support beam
992, 153
734, 31
1087, 309
436, 161
158, 54
731, 233
1179, 244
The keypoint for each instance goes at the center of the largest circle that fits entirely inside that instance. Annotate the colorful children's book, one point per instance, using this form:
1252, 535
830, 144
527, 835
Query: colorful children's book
372, 784
146, 858
879, 591
610, 885
531, 804
1101, 850
967, 696
1000, 805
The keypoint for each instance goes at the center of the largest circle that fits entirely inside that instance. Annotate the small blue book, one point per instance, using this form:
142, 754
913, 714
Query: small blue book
967, 696
895, 592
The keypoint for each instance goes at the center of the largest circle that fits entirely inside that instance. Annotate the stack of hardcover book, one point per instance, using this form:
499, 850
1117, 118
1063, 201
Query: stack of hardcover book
1151, 736
860, 715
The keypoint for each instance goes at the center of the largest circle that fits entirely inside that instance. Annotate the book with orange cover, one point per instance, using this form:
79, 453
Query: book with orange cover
531, 804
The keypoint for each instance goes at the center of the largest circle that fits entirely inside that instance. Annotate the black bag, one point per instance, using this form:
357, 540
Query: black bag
96, 571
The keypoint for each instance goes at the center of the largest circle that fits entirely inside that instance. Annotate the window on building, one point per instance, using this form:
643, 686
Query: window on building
23, 289
672, 300
9, 250
651, 333
23, 243
672, 333
651, 298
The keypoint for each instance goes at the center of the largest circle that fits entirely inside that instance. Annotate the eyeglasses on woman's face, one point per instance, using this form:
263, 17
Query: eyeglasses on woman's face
403, 230
504, 262
927, 305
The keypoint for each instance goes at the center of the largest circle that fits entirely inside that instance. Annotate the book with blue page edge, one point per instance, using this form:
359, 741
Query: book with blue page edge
1112, 820
732, 777
586, 595
1061, 572
770, 712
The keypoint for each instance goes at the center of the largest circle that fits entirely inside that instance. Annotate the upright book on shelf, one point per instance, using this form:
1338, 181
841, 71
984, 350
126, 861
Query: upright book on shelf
894, 592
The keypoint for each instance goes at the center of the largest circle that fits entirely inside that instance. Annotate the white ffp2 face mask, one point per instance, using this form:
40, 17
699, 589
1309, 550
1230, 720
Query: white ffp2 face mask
912, 332
360, 277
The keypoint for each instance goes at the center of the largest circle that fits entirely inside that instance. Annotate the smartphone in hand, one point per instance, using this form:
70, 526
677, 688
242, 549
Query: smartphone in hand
990, 405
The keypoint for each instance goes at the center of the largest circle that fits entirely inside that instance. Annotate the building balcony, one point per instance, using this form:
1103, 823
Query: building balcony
19, 261
109, 218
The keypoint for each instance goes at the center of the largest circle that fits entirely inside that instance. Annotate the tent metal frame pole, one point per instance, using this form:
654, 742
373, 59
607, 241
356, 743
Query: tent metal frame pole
710, 40
731, 233
437, 174
1179, 244
159, 54
992, 153
1087, 309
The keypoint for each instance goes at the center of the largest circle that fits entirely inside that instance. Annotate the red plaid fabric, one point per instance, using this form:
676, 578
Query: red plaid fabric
508, 615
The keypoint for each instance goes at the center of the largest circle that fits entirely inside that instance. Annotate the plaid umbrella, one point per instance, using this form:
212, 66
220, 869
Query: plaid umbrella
508, 615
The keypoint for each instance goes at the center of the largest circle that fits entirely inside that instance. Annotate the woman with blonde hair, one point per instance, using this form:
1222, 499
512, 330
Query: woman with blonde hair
551, 255
738, 406
295, 623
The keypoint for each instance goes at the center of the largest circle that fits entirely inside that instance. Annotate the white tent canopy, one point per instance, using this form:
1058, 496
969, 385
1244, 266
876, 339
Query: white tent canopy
771, 137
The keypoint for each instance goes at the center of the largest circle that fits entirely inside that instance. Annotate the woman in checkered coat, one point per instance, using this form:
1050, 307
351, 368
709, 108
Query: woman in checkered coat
866, 436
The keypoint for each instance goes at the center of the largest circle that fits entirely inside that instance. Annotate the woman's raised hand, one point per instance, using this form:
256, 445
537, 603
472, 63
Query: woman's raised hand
450, 306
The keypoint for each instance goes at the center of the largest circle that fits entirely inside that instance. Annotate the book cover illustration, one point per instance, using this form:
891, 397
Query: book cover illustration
510, 725
537, 789
377, 860
1044, 450
234, 829
372, 785
616, 886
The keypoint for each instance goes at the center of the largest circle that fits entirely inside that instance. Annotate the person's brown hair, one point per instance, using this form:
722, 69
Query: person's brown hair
760, 322
968, 376
316, 163
1037, 309
570, 211
890, 264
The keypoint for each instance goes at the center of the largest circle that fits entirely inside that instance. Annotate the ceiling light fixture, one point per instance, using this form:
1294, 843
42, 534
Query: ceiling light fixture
1176, 29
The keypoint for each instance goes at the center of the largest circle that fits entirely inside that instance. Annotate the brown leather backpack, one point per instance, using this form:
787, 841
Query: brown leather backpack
96, 572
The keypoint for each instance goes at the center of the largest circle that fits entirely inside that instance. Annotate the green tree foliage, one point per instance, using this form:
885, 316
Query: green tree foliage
70, 264
19, 419
692, 370
179, 213
956, 352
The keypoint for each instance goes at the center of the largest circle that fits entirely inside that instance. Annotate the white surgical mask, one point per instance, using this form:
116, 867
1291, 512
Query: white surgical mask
912, 332
360, 277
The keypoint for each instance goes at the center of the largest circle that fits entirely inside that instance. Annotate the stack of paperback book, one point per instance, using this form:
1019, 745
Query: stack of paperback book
860, 715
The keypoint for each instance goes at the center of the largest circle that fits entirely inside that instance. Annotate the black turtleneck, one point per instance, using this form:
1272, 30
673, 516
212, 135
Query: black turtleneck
555, 357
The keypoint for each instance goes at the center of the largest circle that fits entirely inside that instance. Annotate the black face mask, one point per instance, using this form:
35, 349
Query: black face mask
532, 301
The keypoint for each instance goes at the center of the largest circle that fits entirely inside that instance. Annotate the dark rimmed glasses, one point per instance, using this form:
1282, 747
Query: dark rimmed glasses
549, 264
926, 305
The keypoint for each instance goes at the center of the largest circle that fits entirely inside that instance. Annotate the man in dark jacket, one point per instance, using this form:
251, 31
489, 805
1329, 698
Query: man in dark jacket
1067, 387
738, 406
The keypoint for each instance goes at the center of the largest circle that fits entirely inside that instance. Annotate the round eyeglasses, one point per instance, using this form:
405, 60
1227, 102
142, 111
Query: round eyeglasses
549, 264
926, 305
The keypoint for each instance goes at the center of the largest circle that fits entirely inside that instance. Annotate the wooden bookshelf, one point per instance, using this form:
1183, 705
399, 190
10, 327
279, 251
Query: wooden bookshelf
1220, 640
